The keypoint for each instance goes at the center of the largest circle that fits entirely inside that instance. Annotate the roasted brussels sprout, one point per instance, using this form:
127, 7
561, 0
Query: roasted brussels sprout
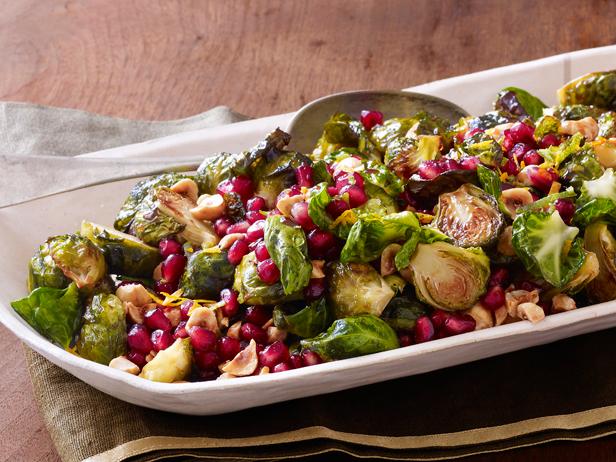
356, 288
575, 112
588, 271
103, 334
426, 235
170, 365
340, 131
206, 274
353, 336
54, 313
151, 226
124, 253
402, 312
483, 146
581, 166
391, 130
556, 155
597, 200
449, 277
488, 120
43, 272
519, 103
426, 190
405, 155
380, 176
607, 125
276, 172
594, 89
546, 125
469, 216
307, 322
599, 240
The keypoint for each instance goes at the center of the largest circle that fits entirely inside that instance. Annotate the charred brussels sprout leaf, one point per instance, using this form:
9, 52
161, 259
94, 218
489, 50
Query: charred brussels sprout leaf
546, 125
484, 147
379, 175
275, 172
426, 190
318, 200
206, 274
356, 288
581, 166
391, 130
151, 225
320, 174
556, 155
170, 365
607, 125
575, 112
307, 322
124, 254
340, 131
426, 235
488, 120
519, 103
449, 277
402, 313
599, 240
469, 216
286, 244
43, 272
405, 155
78, 258
594, 89
253, 291
353, 336
53, 313
597, 200
103, 334
547, 247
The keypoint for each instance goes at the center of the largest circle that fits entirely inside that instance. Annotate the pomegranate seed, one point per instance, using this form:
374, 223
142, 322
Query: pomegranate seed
250, 331
232, 305
539, 178
532, 157
528, 286
430, 169
237, 251
472, 132
258, 314
405, 339
156, 319
295, 361
273, 354
184, 309
255, 204
303, 173
319, 243
499, 277
170, 246
450, 164
522, 133
518, 151
164, 286
370, 119
281, 367
315, 289
299, 212
253, 217
459, 324
566, 209
228, 347
255, 231
549, 140
268, 271
261, 251
310, 358
136, 358
224, 187
332, 190
424, 330
469, 163
343, 179
207, 360
508, 142
241, 185
139, 339
336, 207
202, 339
173, 268
161, 340
239, 227
438, 318
511, 167
180, 331
222, 225
357, 196
494, 298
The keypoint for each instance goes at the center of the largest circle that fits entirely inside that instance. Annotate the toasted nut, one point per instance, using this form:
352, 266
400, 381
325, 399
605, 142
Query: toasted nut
245, 362
209, 207
606, 152
134, 293
286, 203
517, 297
481, 315
134, 313
317, 269
504, 246
349, 165
274, 334
226, 376
228, 240
586, 126
562, 302
151, 355
388, 265
203, 317
157, 274
173, 315
234, 330
121, 363
264, 370
187, 188
515, 198
530, 311
500, 315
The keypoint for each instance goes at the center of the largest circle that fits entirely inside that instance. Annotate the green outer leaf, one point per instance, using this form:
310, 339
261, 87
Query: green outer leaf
320, 173
307, 322
288, 248
43, 272
206, 274
581, 166
489, 180
547, 201
318, 200
379, 175
556, 155
531, 104
353, 336
597, 199
546, 125
402, 312
53, 313
403, 257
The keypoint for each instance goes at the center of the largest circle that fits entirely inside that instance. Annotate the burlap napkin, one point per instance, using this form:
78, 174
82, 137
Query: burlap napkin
566, 390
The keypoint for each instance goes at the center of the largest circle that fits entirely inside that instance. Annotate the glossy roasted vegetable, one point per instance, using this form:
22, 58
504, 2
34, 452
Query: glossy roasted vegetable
469, 216
286, 244
54, 313
391, 130
206, 274
43, 272
597, 200
124, 253
426, 190
546, 125
556, 155
426, 235
575, 112
340, 131
581, 166
307, 322
405, 155
103, 334
380, 176
449, 277
593, 89
486, 121
356, 288
170, 365
607, 125
482, 146
402, 312
353, 336
276, 172
599, 240
151, 226
519, 103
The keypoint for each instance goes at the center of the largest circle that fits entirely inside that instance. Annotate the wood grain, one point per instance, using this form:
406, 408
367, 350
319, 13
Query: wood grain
167, 59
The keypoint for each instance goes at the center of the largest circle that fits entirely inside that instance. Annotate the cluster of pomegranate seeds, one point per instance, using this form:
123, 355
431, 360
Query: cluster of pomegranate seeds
494, 298
499, 277
430, 169
250, 331
172, 267
299, 213
257, 314
438, 325
139, 339
228, 347
370, 119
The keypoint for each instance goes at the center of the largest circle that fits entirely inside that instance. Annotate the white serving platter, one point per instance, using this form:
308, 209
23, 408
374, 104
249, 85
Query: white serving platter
26, 225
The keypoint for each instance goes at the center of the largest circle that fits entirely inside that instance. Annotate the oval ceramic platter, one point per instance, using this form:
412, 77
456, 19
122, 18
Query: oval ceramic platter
25, 225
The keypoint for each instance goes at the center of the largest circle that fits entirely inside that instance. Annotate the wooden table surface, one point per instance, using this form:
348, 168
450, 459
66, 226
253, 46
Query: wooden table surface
169, 59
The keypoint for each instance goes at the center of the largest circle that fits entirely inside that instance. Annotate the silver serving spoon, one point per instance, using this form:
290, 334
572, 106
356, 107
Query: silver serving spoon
306, 125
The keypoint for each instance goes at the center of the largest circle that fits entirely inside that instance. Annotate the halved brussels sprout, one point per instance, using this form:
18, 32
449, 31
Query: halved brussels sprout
588, 271
124, 253
594, 89
483, 146
151, 226
599, 240
486, 121
546, 125
43, 272
449, 277
391, 130
402, 312
581, 166
469, 216
341, 131
103, 334
307, 322
575, 112
170, 365
356, 288
405, 155
206, 274
276, 172
429, 190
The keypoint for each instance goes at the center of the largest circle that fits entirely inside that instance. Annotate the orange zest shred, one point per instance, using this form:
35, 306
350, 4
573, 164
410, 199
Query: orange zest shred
176, 299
